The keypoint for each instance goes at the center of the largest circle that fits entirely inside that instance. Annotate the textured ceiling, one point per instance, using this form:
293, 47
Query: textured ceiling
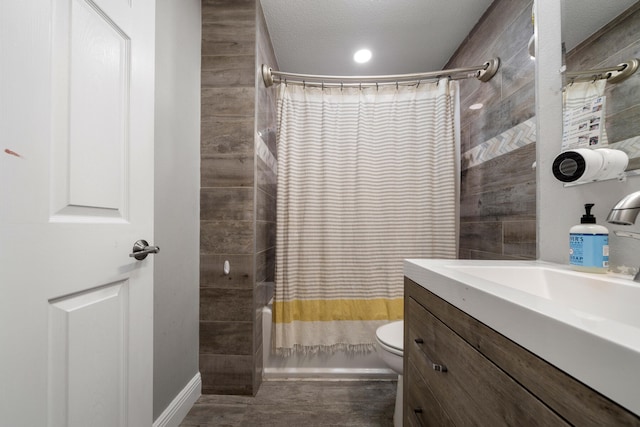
405, 36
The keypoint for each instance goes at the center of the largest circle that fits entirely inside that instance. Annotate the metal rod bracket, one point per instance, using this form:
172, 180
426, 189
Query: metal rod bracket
267, 76
630, 67
615, 74
490, 69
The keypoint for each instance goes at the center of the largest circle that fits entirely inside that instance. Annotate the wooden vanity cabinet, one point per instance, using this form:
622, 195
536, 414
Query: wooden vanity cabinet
459, 372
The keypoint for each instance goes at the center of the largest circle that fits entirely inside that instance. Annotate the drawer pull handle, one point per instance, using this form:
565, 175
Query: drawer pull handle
417, 412
435, 366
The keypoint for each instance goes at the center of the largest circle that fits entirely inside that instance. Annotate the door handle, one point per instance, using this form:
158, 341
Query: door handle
141, 249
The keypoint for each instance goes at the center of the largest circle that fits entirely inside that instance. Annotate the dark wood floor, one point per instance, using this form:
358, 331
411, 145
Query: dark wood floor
300, 403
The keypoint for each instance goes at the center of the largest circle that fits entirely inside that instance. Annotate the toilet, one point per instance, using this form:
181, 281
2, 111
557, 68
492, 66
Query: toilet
389, 339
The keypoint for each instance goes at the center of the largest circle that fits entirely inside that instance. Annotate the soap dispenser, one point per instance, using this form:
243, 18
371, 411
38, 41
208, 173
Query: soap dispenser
589, 244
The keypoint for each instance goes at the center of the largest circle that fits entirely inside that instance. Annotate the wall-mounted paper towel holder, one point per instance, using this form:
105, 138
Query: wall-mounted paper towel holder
582, 165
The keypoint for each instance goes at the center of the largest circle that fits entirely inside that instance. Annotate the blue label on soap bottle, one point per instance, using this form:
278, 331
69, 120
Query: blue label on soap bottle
589, 250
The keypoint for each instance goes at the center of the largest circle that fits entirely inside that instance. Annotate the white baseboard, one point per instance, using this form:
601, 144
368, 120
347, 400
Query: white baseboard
179, 407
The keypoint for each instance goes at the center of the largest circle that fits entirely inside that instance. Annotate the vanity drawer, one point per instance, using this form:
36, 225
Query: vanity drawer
421, 408
468, 386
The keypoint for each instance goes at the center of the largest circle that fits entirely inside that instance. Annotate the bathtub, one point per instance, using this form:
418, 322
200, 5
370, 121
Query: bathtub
339, 365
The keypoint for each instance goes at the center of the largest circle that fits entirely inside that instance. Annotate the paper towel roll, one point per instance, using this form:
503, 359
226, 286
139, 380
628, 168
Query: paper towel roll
615, 163
585, 165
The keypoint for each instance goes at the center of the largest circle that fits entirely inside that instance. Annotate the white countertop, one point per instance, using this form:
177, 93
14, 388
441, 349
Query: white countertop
591, 333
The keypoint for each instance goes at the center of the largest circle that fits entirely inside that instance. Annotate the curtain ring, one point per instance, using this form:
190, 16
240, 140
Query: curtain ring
360, 85
322, 87
377, 87
396, 85
418, 85
341, 86
304, 84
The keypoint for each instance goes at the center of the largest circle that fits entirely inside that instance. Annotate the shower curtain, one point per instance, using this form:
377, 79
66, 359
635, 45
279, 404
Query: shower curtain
366, 178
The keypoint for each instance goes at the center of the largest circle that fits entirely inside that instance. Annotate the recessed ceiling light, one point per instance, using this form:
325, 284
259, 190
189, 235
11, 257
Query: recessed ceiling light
475, 106
362, 56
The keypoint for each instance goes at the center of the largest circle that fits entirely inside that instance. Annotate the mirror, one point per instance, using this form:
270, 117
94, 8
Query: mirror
598, 34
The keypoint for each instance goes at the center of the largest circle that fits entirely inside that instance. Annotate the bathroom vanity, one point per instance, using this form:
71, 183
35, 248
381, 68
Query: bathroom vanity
478, 352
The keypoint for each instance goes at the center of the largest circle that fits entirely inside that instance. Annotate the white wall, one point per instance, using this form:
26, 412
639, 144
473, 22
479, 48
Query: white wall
177, 199
560, 208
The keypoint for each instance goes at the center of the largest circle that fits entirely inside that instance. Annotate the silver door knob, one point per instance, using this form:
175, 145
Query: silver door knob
141, 249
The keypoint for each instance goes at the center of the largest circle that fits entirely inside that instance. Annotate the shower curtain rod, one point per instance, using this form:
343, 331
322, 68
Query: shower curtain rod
482, 72
612, 74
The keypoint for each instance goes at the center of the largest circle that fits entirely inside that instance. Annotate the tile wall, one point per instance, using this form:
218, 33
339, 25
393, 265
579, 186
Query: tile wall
498, 184
265, 191
237, 217
615, 43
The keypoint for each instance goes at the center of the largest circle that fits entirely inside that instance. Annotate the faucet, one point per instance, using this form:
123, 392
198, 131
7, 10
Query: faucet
625, 212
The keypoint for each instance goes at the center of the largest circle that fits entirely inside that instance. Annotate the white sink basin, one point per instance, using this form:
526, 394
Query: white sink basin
583, 292
585, 324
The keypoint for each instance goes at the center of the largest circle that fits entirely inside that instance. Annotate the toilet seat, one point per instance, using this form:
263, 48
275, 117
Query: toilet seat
391, 337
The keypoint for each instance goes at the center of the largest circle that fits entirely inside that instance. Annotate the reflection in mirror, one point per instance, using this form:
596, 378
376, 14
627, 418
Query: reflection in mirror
599, 34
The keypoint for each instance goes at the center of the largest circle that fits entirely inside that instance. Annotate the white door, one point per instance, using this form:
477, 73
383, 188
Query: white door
76, 192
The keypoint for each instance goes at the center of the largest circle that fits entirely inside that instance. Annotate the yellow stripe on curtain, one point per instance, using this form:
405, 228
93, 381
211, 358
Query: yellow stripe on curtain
341, 309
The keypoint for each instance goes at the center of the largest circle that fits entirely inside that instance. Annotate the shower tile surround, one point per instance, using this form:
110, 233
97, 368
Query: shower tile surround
498, 185
237, 195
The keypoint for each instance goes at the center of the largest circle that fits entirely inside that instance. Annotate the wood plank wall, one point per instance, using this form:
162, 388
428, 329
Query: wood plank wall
235, 208
265, 257
497, 197
497, 200
613, 44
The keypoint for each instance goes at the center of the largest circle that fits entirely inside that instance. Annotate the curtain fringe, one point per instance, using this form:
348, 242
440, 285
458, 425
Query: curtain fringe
352, 349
